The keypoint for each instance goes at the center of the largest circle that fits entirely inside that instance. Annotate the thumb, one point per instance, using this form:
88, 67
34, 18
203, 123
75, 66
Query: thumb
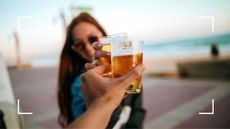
125, 80
101, 69
89, 66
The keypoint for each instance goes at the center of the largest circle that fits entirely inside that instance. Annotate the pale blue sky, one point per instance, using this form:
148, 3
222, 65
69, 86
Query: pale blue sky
151, 20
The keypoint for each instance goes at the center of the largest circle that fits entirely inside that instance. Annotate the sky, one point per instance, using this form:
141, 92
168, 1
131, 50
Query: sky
150, 20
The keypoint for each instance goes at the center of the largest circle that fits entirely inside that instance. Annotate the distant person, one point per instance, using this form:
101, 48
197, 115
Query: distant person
82, 32
214, 50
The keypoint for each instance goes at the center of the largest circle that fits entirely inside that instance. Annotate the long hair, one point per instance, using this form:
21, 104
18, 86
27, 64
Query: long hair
70, 65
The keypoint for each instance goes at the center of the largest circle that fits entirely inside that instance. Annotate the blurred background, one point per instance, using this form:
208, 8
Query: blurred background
182, 75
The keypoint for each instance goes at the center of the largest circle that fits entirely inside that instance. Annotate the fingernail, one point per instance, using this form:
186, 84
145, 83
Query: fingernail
95, 44
99, 45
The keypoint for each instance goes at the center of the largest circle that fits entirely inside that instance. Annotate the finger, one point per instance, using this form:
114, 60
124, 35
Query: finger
97, 46
89, 66
125, 80
101, 69
98, 54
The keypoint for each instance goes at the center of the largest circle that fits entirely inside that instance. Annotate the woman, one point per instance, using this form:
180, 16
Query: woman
77, 51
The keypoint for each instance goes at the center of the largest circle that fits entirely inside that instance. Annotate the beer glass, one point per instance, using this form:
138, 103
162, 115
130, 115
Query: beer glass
126, 53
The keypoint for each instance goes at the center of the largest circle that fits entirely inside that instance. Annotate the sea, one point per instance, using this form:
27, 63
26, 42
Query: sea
165, 49
187, 47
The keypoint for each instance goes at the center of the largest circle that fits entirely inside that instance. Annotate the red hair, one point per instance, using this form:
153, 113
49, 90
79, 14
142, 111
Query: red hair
70, 65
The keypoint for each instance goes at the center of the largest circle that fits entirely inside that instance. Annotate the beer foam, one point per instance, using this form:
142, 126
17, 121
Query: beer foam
126, 46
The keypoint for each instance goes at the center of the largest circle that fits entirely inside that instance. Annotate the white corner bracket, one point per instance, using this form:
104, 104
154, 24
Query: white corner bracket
209, 113
18, 109
212, 20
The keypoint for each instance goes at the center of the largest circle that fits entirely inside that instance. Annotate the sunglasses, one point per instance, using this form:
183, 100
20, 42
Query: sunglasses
80, 45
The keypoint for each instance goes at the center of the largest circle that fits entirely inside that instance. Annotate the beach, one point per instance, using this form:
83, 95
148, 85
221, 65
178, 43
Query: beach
170, 102
36, 90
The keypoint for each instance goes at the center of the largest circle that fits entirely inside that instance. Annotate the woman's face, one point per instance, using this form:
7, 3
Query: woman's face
81, 35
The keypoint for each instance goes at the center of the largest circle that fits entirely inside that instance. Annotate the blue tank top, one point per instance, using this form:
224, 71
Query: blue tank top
77, 104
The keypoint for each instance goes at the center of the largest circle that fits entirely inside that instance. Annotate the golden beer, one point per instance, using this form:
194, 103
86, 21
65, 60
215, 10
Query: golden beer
105, 60
121, 65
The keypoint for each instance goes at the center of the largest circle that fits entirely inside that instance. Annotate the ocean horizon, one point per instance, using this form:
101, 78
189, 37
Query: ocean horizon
187, 47
167, 49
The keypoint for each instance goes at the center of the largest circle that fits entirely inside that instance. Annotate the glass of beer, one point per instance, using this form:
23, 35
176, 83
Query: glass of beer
126, 53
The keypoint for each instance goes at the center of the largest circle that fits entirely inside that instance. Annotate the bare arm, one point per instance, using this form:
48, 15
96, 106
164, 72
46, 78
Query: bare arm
97, 116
